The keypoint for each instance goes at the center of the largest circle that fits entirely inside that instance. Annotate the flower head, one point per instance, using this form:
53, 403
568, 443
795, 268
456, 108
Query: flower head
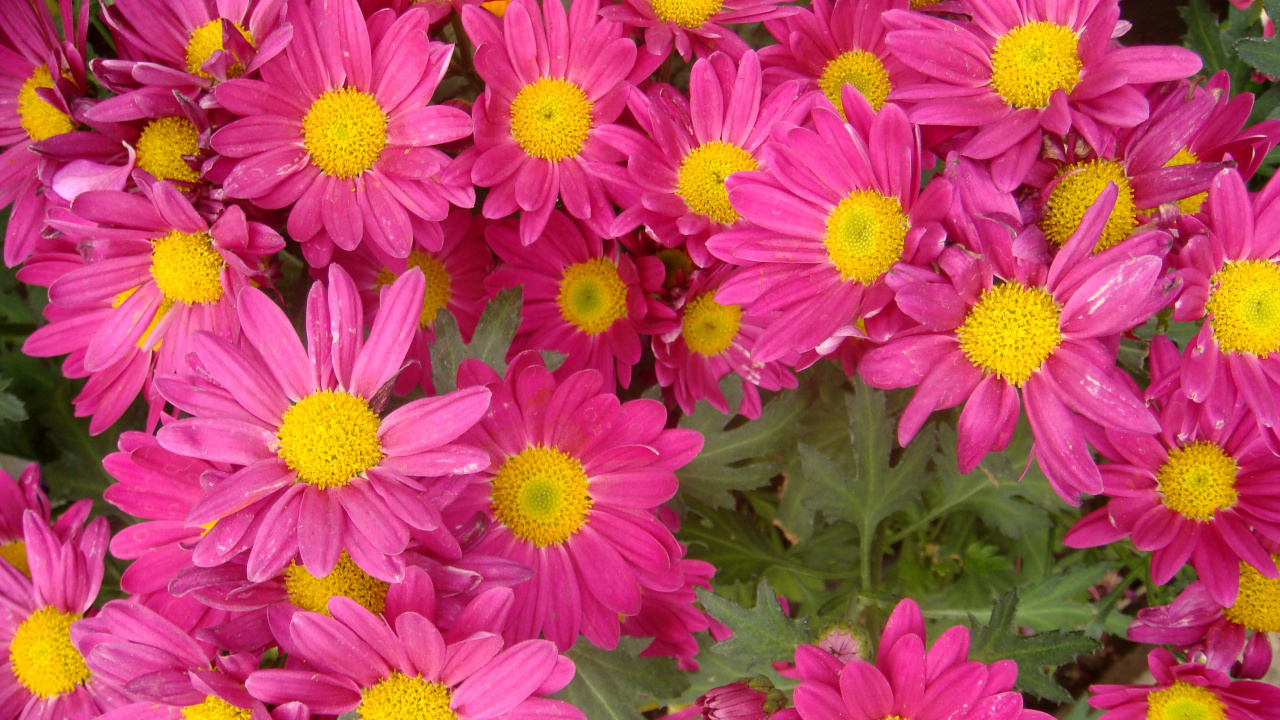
17, 496
1187, 690
693, 27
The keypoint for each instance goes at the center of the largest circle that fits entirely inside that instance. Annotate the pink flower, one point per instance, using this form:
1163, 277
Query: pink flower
313, 457
340, 127
754, 699
1181, 689
694, 27
16, 498
1223, 132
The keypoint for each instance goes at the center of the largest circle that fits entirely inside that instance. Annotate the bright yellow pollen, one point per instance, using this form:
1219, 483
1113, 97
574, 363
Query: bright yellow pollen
1078, 187
163, 144
1198, 479
863, 71
709, 327
400, 697
686, 13
917, 4
541, 494
186, 267
678, 265
40, 119
1011, 331
550, 119
1184, 701
865, 235
1244, 307
345, 132
702, 174
14, 552
345, 580
592, 295
215, 709
1031, 61
204, 42
1258, 603
42, 656
329, 437
439, 285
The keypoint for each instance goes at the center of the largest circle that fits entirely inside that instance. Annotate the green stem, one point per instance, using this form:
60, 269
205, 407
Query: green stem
932, 515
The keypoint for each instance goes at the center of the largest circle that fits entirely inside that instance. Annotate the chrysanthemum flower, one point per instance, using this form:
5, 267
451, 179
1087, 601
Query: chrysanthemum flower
672, 618
168, 137
406, 667
712, 341
582, 297
747, 699
696, 144
839, 205
316, 461
1223, 132
693, 27
16, 497
1022, 68
553, 86
154, 272
1183, 690
571, 491
43, 675
342, 130
1035, 338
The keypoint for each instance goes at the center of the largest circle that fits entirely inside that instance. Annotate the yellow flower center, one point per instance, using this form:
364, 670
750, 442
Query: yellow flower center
677, 263
550, 119
686, 13
166, 305
40, 119
1190, 205
345, 132
917, 4
709, 327
541, 494
1032, 60
592, 295
14, 552
439, 285
162, 146
345, 580
215, 709
1258, 603
42, 656
400, 697
1078, 188
1184, 701
1198, 479
1244, 307
1011, 331
702, 175
204, 42
186, 268
330, 437
865, 235
863, 71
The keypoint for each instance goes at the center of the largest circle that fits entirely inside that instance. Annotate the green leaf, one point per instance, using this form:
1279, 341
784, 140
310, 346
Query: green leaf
823, 427
497, 326
11, 408
764, 634
1204, 35
614, 684
716, 669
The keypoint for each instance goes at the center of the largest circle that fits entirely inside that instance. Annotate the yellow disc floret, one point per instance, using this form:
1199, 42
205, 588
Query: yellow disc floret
550, 119
1011, 331
14, 552
1198, 479
1032, 60
1078, 187
39, 119
865, 235
214, 708
1184, 701
162, 148
708, 327
204, 42
401, 696
345, 132
186, 268
541, 494
592, 295
1257, 606
702, 174
42, 656
686, 13
345, 580
1244, 307
439, 285
329, 438
863, 71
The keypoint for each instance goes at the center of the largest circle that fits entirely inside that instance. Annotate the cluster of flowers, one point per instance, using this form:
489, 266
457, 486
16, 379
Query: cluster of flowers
976, 198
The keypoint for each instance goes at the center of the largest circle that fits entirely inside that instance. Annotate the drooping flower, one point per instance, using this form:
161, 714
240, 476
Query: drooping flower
571, 492
342, 129
693, 27
317, 468
1183, 690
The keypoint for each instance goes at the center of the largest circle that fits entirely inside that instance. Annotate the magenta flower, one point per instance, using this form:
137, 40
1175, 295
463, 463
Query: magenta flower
342, 130
314, 458
16, 498
582, 297
1187, 689
1223, 131
671, 618
839, 205
1039, 338
693, 27
553, 87
571, 493
1021, 68
753, 699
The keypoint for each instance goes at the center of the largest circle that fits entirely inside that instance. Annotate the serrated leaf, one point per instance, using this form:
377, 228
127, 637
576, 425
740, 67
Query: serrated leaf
11, 408
1204, 35
614, 684
490, 342
716, 669
823, 426
763, 633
